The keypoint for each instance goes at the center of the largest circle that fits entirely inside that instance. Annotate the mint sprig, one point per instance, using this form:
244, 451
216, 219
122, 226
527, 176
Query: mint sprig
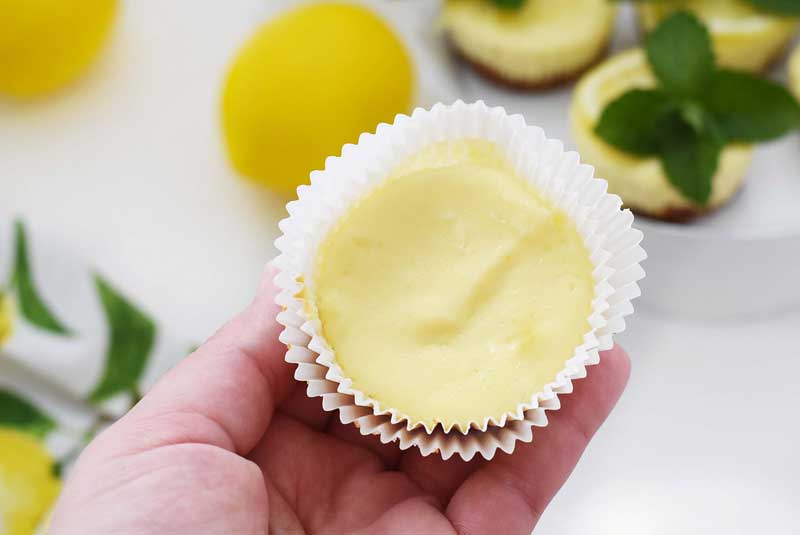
696, 109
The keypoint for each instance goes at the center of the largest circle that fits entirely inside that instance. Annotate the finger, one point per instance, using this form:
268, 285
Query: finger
225, 393
389, 453
509, 494
436, 476
306, 410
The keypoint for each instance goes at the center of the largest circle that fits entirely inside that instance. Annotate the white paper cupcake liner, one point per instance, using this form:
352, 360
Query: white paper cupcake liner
606, 229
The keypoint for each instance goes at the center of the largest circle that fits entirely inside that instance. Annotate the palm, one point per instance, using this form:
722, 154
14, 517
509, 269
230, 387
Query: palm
193, 457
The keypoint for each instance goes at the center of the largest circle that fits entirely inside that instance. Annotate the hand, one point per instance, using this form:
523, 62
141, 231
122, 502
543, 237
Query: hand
228, 443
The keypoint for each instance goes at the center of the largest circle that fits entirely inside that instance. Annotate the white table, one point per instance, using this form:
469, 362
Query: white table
129, 170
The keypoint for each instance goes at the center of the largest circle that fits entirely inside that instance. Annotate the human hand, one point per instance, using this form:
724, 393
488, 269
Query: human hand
228, 443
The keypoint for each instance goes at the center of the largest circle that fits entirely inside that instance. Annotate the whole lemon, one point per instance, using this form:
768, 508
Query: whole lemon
28, 487
45, 44
308, 82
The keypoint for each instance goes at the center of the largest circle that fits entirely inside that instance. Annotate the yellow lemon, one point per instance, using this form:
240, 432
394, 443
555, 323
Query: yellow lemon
27, 484
794, 72
6, 318
744, 38
308, 82
641, 182
45, 44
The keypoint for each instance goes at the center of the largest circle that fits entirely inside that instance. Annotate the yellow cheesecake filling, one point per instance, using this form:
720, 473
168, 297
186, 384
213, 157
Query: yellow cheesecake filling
453, 292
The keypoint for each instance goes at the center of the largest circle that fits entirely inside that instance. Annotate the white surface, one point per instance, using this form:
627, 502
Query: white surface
128, 169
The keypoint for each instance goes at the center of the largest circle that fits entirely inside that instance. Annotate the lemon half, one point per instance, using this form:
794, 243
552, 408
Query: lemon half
45, 44
28, 487
308, 82
641, 182
744, 38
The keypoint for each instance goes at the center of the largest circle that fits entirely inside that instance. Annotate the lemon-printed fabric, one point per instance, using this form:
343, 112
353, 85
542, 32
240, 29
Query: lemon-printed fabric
28, 482
5, 318
75, 354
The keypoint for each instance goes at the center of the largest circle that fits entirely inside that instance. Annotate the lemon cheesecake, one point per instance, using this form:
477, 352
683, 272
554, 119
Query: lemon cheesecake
744, 38
541, 43
641, 181
453, 291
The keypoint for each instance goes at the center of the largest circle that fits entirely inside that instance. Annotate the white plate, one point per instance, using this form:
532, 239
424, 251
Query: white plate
741, 260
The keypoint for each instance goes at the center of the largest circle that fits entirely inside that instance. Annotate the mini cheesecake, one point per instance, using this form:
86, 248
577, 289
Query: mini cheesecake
453, 291
744, 38
642, 182
542, 43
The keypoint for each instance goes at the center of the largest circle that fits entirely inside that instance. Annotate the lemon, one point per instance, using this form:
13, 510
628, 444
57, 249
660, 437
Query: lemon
307, 83
45, 44
794, 72
641, 182
27, 484
6, 318
744, 38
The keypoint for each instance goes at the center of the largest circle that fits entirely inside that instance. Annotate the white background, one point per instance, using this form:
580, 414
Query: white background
128, 169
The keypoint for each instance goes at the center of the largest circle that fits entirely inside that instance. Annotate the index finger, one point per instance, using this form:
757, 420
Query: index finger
223, 394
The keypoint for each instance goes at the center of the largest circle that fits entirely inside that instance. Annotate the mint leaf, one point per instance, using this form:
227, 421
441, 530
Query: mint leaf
132, 338
751, 109
680, 54
779, 7
31, 305
630, 122
20, 414
690, 157
509, 4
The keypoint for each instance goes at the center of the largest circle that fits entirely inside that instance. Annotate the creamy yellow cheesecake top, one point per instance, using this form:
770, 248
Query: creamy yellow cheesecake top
453, 291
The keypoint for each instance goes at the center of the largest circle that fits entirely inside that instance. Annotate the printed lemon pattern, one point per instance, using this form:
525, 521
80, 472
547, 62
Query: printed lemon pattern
28, 486
6, 318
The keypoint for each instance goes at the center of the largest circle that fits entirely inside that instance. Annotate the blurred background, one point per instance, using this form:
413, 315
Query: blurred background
136, 195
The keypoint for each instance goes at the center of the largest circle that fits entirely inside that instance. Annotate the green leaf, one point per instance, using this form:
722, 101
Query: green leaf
509, 4
132, 337
690, 157
630, 122
779, 7
680, 54
31, 305
20, 414
749, 108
